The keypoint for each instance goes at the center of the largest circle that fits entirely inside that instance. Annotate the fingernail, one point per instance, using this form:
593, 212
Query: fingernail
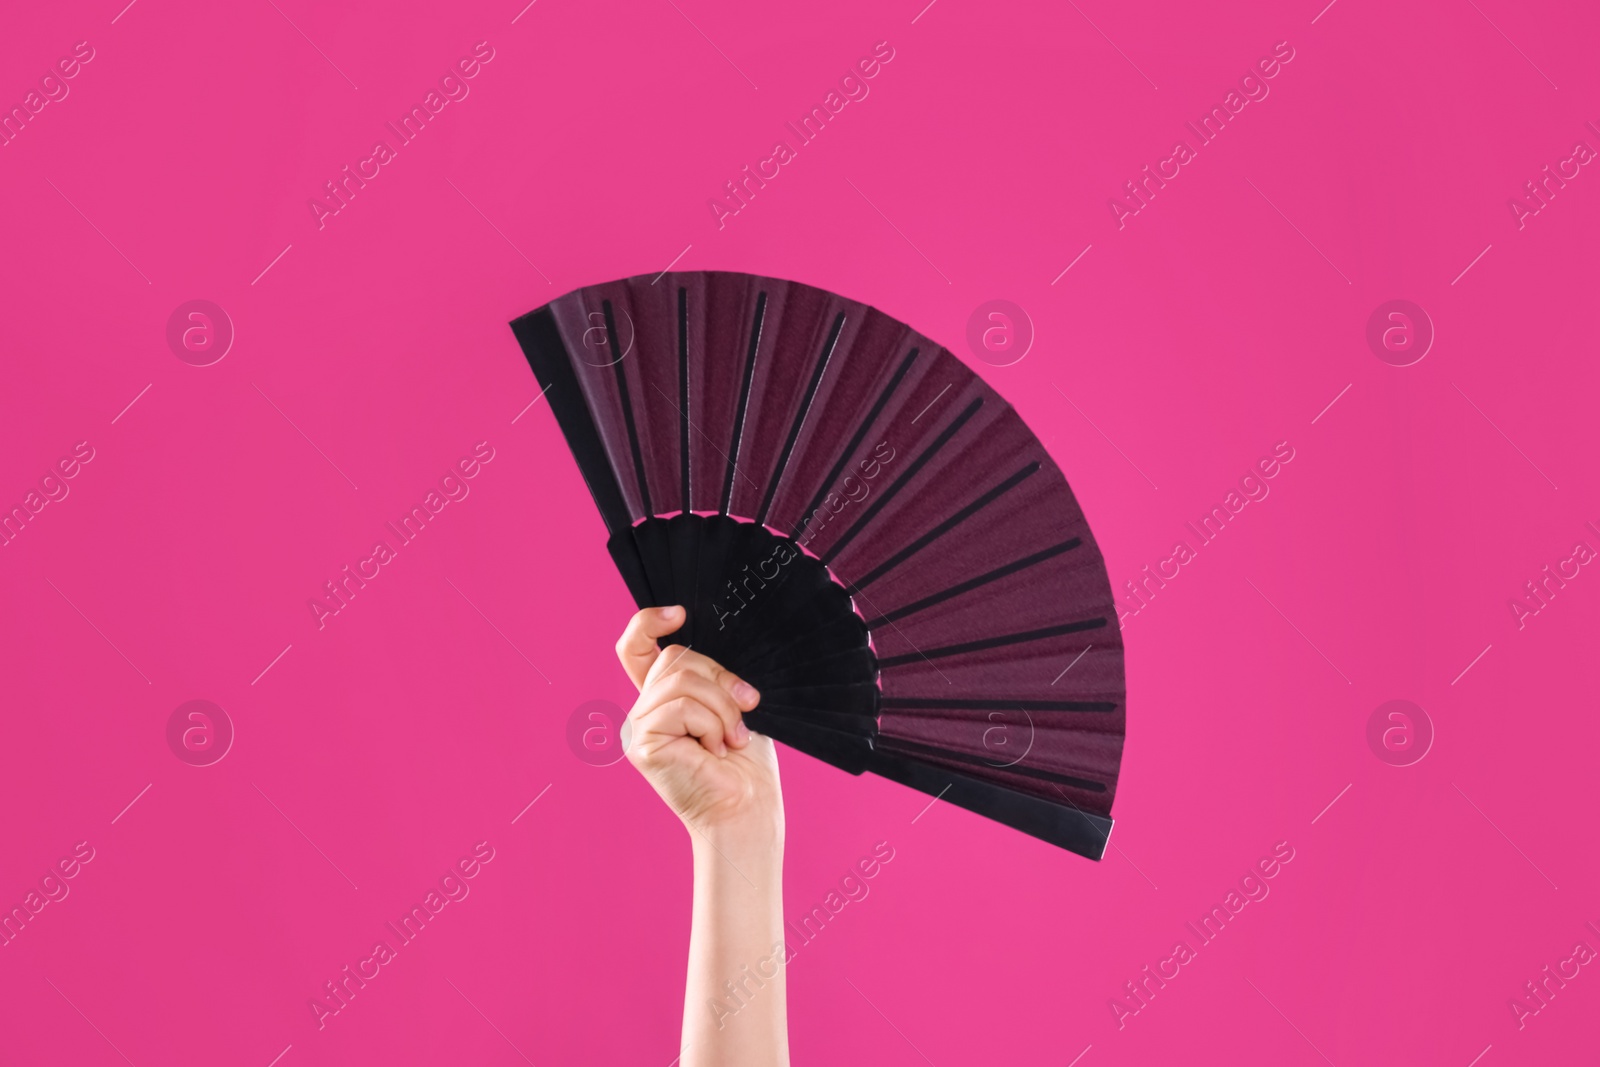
671, 613
745, 693
742, 732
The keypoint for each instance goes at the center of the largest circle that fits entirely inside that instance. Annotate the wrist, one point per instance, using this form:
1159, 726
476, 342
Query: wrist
751, 842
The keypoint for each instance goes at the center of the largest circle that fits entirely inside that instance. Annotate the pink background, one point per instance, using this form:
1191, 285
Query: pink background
1224, 317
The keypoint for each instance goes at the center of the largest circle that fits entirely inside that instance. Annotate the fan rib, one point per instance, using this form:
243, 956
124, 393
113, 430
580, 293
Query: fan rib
683, 390
916, 748
627, 411
992, 642
800, 417
744, 400
900, 483
855, 441
1082, 832
946, 526
554, 369
948, 704
973, 583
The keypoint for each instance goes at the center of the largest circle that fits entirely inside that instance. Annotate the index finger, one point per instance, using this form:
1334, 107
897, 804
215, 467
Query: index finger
637, 649
684, 659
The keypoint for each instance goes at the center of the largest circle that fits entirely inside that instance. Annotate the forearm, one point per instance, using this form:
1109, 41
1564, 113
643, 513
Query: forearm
734, 1009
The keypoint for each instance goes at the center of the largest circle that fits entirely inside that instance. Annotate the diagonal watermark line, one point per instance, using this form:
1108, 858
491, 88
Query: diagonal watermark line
531, 803
524, 11
715, 447
1502, 833
1480, 1056
302, 433
930, 804
707, 840
124, 11
101, 232
1502, 433
1513, 44
90, 1021
721, 853
490, 1021
1074, 263
1324, 11
1104, 840
713, 44
1332, 402
498, 230
1301, 232
313, 44
876, 612
1286, 1019
924, 11
674, 262
271, 665
932, 402
1331, 803
1102, 433
532, 402
132, 402
99, 631
1301, 632
1080, 1056
1474, 263
280, 1056
899, 231
274, 263
890, 1021
1073, 664
302, 833
1134, 865
686, 820
1113, 44
131, 803
499, 631
1471, 665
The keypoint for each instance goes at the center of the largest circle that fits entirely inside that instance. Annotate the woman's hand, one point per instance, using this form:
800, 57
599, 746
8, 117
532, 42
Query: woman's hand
687, 736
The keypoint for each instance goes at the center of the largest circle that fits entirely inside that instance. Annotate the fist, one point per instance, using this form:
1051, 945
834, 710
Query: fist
686, 734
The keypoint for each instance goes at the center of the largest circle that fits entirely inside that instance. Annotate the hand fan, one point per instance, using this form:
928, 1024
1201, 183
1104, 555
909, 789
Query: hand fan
858, 526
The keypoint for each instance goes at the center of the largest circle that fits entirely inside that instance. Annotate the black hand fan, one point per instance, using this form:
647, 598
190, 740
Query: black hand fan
858, 526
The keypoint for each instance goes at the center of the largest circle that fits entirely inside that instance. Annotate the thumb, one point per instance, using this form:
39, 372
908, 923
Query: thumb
637, 649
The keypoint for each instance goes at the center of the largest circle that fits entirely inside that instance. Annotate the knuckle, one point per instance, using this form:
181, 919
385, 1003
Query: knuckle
679, 707
672, 687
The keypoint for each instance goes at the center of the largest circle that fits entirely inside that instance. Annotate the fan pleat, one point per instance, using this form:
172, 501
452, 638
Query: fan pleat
683, 397
800, 417
944, 527
968, 647
972, 583
922, 459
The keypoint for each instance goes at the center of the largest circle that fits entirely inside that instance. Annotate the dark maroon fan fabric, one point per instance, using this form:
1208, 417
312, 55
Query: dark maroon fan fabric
857, 524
